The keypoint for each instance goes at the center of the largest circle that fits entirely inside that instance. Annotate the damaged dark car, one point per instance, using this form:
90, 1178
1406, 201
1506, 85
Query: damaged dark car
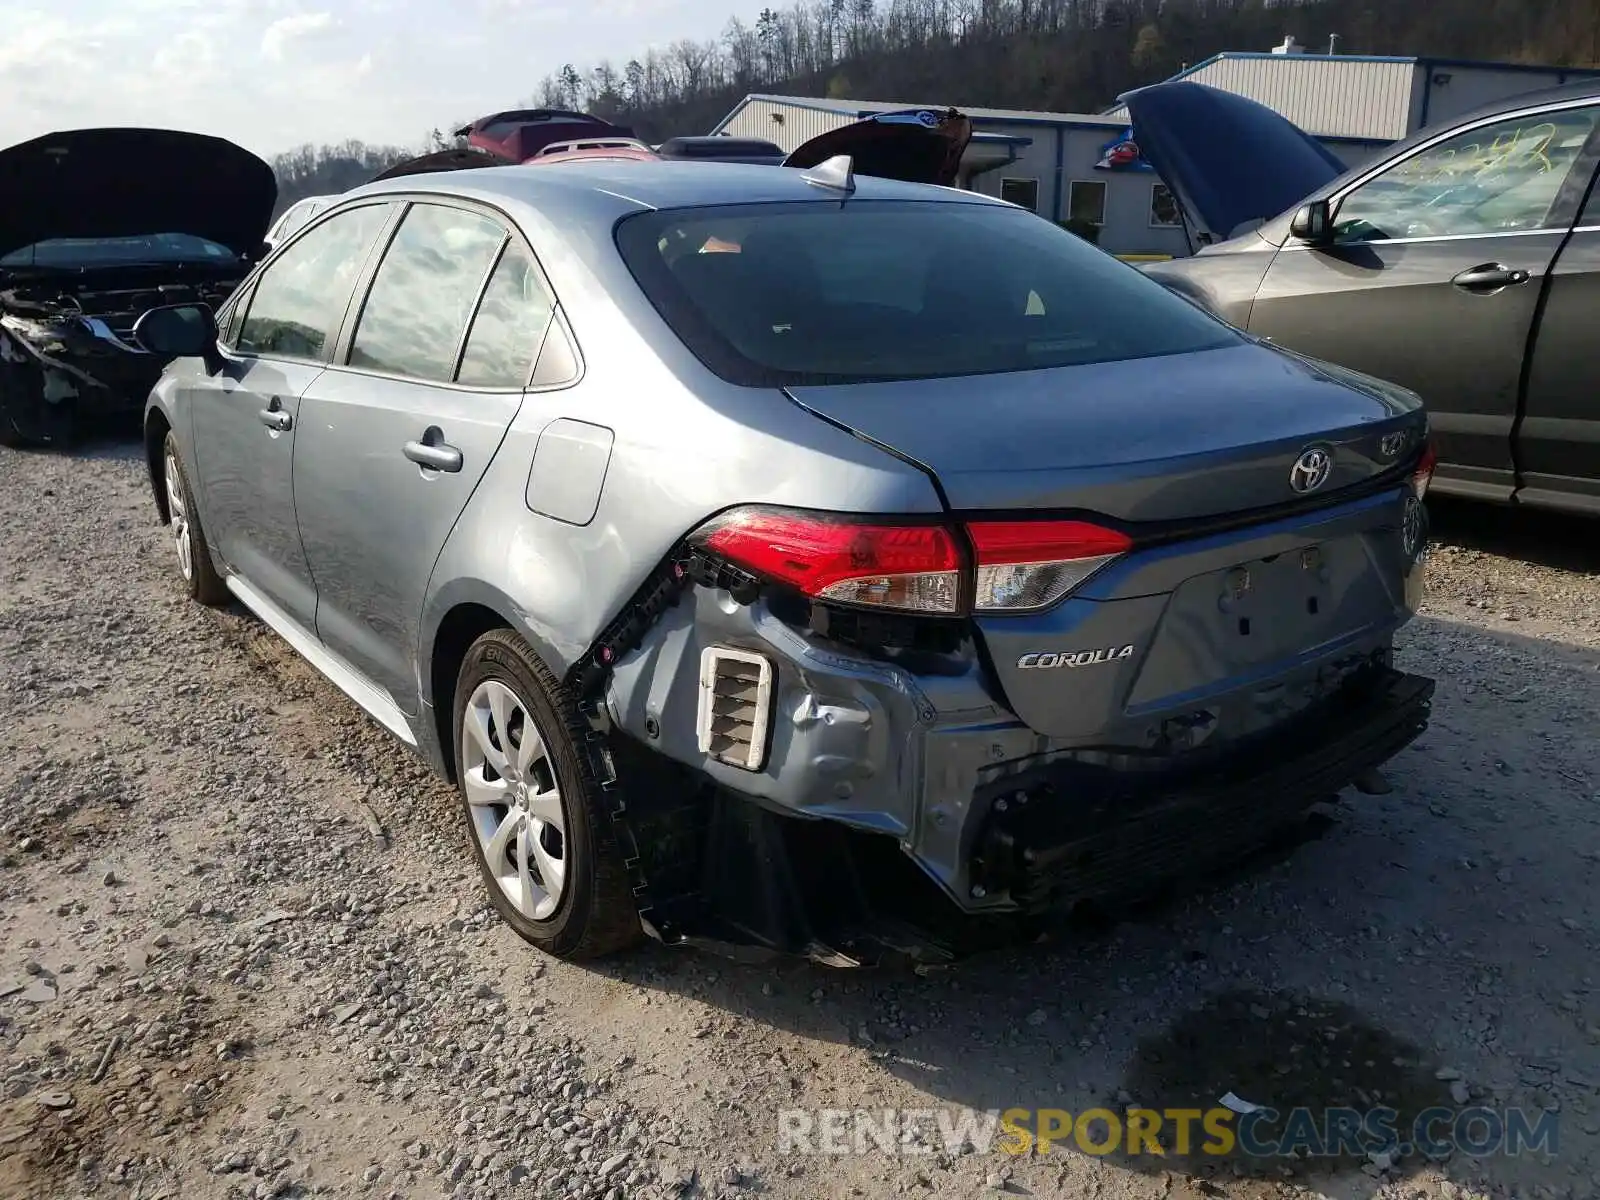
96, 227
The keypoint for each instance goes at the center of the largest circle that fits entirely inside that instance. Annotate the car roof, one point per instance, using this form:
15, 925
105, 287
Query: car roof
1584, 89
608, 187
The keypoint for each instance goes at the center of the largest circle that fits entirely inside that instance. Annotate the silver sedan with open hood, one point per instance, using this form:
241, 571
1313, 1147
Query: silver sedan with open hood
796, 560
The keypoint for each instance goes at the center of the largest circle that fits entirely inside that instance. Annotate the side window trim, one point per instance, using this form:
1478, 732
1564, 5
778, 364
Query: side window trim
1589, 214
329, 349
1337, 199
477, 303
557, 330
1577, 198
346, 337
238, 309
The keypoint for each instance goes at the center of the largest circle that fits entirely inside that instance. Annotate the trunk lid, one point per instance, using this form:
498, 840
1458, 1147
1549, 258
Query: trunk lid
916, 145
1230, 160
107, 183
1178, 438
1243, 600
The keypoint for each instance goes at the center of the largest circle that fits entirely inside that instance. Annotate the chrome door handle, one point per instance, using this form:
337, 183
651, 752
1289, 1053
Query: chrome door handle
433, 451
1490, 277
274, 417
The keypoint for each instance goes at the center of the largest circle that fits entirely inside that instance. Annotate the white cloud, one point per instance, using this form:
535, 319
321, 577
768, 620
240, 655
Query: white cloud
288, 29
380, 71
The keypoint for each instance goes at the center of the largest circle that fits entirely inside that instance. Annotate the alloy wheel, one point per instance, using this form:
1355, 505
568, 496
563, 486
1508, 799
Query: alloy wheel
179, 513
514, 799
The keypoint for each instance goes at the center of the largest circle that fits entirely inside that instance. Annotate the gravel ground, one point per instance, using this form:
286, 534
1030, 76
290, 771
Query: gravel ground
242, 951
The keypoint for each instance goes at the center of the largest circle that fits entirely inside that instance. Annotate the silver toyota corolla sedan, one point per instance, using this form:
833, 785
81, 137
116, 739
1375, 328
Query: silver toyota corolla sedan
797, 561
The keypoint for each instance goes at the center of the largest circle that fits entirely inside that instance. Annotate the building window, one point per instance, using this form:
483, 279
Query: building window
1023, 192
1163, 207
1086, 202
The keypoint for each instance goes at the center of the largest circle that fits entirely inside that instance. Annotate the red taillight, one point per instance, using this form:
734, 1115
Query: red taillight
1021, 565
1423, 475
916, 568
1026, 565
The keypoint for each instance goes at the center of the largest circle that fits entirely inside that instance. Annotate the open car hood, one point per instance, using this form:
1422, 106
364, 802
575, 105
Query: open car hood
456, 158
917, 145
104, 183
1229, 160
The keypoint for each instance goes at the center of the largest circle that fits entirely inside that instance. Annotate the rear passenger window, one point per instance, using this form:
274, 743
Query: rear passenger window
510, 325
424, 293
300, 299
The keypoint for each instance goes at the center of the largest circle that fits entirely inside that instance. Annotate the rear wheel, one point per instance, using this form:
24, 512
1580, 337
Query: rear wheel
195, 567
534, 806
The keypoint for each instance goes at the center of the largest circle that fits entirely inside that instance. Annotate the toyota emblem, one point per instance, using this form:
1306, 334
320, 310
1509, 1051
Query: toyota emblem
1311, 470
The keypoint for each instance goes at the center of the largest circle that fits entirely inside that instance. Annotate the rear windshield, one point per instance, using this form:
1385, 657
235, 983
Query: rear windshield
820, 293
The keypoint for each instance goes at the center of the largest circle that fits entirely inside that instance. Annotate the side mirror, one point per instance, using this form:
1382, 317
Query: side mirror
1313, 223
179, 331
176, 330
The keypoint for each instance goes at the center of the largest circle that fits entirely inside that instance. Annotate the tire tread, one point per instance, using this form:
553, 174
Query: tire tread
612, 921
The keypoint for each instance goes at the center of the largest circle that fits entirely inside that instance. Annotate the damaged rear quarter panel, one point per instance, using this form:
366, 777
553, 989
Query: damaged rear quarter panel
855, 740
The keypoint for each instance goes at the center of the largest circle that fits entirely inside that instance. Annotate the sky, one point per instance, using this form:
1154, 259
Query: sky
273, 74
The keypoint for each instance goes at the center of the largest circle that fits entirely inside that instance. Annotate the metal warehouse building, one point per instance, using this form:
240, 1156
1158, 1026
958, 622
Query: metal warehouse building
1064, 165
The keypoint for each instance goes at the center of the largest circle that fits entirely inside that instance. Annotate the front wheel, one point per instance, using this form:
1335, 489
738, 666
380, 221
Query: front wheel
198, 572
534, 806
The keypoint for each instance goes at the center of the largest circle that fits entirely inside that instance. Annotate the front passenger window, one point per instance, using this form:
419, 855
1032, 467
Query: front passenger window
1498, 178
509, 326
300, 299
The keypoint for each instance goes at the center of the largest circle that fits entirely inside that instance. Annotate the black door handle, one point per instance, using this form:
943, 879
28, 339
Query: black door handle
433, 451
273, 416
1490, 277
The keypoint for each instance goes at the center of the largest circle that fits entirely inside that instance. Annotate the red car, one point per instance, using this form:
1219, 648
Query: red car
521, 134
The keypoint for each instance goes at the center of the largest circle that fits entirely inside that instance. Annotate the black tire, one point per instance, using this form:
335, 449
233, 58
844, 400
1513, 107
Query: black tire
203, 583
595, 914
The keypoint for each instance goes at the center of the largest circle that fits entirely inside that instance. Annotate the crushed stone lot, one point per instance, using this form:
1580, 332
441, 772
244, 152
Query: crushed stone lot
244, 953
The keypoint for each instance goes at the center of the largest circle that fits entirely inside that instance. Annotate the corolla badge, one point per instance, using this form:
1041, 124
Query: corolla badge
1044, 660
1311, 469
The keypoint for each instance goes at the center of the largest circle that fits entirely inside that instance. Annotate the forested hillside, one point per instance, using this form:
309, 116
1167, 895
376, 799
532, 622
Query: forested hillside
1070, 55
1067, 55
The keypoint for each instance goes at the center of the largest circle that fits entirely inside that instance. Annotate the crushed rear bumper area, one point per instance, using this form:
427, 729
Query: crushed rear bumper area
1066, 833
717, 869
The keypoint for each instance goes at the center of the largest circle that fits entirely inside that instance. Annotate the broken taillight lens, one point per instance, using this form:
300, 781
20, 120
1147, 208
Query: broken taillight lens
1024, 565
1019, 566
913, 568
1423, 475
